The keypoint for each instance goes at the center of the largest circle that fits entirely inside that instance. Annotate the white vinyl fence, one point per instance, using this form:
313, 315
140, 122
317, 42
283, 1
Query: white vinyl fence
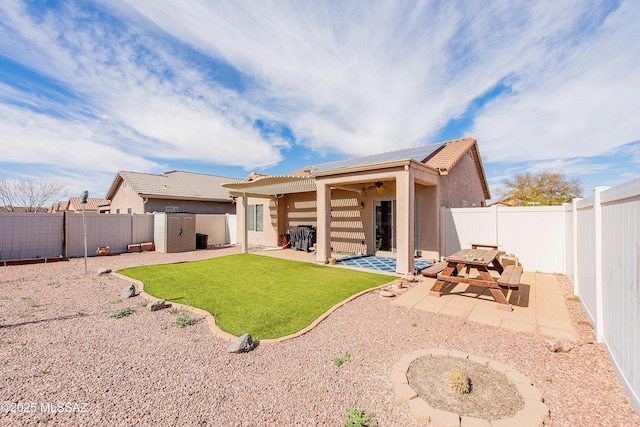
534, 234
594, 241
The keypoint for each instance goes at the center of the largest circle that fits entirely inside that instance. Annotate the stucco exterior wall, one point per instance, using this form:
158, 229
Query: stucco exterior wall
191, 206
125, 198
428, 240
269, 236
462, 184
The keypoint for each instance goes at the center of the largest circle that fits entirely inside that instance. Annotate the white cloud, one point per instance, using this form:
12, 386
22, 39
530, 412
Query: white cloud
33, 138
579, 101
363, 77
349, 77
121, 80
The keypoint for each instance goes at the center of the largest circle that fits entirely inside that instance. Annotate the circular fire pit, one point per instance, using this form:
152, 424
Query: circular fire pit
498, 395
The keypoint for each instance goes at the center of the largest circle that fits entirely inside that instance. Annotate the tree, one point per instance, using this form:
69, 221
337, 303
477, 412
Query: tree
545, 189
29, 193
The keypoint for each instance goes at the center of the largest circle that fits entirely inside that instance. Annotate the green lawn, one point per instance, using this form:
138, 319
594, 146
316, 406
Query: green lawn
266, 297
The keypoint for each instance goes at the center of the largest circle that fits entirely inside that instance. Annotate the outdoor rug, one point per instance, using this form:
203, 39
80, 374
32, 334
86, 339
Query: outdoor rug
377, 263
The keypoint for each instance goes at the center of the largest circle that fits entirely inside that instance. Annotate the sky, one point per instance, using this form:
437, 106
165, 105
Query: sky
88, 88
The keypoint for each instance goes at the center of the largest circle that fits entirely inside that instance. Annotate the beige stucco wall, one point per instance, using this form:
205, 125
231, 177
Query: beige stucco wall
463, 183
191, 206
429, 222
125, 198
269, 236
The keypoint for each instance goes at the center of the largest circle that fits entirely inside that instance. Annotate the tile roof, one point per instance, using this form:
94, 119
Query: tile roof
173, 185
74, 204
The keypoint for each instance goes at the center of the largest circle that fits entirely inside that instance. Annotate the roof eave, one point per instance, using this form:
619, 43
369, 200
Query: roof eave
194, 198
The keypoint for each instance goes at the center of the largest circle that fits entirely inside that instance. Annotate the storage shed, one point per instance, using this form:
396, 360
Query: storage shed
174, 232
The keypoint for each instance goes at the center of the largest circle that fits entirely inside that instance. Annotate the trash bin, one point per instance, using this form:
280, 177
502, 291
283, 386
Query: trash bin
201, 241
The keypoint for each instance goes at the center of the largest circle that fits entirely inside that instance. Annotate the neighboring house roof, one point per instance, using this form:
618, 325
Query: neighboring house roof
20, 209
503, 202
59, 206
253, 176
75, 204
173, 185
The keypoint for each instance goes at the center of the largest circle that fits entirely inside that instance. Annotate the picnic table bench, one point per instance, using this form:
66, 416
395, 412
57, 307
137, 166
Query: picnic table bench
457, 270
434, 269
510, 276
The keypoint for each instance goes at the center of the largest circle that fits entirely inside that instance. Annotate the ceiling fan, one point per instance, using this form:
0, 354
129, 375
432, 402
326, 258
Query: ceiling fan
378, 185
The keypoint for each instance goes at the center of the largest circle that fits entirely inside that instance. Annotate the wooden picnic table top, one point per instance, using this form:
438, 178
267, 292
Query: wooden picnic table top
480, 257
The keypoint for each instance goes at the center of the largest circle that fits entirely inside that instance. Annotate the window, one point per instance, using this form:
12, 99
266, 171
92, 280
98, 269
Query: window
118, 210
255, 216
128, 210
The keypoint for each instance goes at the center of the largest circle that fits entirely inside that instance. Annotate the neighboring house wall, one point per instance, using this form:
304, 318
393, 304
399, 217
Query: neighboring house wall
191, 206
124, 198
462, 184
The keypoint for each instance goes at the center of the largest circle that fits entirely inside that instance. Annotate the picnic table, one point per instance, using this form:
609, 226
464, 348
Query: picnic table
460, 263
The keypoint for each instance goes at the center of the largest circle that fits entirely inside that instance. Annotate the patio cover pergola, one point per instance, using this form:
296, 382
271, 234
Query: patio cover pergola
267, 186
405, 172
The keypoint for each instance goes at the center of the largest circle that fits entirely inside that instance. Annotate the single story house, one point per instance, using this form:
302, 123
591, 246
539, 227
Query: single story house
383, 202
173, 191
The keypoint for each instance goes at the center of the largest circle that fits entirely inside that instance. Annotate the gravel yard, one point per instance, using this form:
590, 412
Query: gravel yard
65, 361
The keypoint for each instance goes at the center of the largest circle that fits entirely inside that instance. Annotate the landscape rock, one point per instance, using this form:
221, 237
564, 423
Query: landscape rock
241, 345
157, 305
128, 292
562, 345
102, 271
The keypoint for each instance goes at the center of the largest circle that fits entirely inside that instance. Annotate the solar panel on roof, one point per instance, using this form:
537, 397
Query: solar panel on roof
416, 153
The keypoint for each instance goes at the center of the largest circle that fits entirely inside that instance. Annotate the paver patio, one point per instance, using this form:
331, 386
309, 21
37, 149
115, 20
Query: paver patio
538, 305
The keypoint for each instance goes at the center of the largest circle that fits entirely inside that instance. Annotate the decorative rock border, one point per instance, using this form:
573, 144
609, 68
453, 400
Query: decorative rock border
534, 414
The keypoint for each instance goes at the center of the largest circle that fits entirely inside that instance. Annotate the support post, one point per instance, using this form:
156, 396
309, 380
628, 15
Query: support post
405, 221
323, 236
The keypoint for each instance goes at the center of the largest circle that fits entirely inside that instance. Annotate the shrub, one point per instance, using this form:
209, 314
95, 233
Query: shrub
359, 418
459, 381
339, 361
124, 312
